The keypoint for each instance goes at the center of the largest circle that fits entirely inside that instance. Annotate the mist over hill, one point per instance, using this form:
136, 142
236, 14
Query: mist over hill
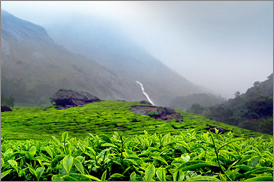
102, 41
34, 67
251, 110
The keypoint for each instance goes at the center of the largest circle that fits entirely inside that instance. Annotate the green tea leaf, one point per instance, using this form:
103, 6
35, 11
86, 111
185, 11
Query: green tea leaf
78, 165
80, 158
184, 144
67, 163
56, 178
222, 177
178, 176
243, 167
32, 150
105, 138
253, 161
196, 166
14, 164
75, 177
64, 136
161, 174
104, 175
233, 140
261, 178
56, 140
48, 150
68, 178
32, 170
116, 175
55, 161
2, 162
132, 176
259, 170
149, 173
91, 149
109, 145
185, 157
160, 159
92, 177
5, 173
202, 178
39, 172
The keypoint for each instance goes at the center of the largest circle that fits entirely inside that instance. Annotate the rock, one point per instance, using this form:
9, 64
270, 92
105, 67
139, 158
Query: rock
145, 102
5, 108
220, 130
70, 98
163, 113
134, 120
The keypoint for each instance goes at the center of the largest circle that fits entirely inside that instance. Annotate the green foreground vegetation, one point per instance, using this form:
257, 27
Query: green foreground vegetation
105, 141
187, 156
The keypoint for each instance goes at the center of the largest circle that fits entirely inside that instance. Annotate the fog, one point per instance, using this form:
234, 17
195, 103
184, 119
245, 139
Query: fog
223, 46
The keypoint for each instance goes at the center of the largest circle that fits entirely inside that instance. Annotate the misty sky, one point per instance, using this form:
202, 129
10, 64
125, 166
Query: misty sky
224, 46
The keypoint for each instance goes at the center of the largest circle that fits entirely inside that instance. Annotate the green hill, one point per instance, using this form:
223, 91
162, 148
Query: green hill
101, 118
252, 110
103, 143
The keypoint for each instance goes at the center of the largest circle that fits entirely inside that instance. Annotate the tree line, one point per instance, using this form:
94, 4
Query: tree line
252, 110
7, 101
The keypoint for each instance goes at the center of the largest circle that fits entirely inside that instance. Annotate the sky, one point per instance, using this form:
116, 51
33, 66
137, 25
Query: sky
224, 46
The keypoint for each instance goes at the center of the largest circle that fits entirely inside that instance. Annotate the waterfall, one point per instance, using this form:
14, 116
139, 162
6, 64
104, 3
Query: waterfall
145, 93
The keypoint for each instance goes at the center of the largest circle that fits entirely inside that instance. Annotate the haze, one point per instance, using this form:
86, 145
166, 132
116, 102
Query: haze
223, 46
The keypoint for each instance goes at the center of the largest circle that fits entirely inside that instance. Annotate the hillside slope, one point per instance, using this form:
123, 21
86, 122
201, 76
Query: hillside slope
101, 118
104, 42
34, 67
251, 110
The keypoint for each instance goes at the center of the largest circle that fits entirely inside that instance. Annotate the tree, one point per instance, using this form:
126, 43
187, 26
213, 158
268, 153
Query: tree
51, 100
237, 94
256, 84
266, 126
10, 101
7, 101
262, 105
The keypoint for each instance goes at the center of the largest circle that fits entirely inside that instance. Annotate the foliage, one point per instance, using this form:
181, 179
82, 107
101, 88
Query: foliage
262, 105
153, 114
99, 118
251, 110
187, 156
7, 101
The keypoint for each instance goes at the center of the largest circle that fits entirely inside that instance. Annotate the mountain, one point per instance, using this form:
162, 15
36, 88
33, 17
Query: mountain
34, 67
104, 42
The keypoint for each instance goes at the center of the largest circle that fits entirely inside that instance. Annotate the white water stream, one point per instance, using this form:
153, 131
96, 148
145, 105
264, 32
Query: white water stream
145, 93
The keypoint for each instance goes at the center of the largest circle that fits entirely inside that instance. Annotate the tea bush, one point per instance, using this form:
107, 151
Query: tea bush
187, 156
101, 117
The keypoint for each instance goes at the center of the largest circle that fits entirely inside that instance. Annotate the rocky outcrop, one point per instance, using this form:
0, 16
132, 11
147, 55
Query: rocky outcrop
5, 108
220, 130
163, 113
70, 98
145, 102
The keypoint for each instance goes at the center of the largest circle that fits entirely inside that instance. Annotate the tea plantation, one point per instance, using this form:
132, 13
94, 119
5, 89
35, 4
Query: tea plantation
105, 141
